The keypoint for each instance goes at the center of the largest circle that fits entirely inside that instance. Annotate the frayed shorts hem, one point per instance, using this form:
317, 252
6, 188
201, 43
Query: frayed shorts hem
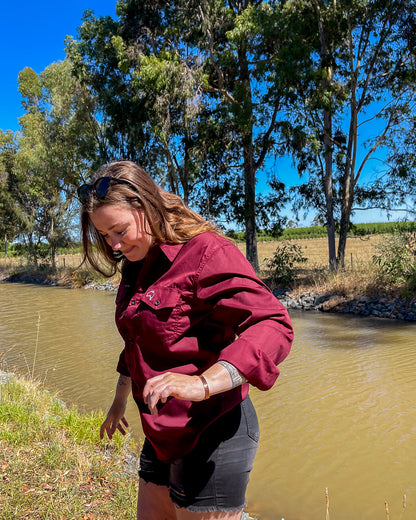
209, 509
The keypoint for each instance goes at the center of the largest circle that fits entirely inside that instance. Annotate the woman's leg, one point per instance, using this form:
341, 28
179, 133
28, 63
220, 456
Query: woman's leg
154, 502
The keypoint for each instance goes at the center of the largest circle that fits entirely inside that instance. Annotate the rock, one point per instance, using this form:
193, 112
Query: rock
5, 377
359, 305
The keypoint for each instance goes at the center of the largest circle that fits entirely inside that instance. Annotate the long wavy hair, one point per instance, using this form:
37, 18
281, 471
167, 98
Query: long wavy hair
170, 220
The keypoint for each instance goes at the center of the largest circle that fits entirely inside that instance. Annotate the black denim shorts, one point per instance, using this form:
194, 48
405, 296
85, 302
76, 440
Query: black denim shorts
215, 474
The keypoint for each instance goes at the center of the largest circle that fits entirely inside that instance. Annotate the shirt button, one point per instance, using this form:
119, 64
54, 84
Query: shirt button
157, 302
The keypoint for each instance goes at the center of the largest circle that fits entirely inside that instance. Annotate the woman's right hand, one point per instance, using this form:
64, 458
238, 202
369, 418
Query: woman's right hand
115, 420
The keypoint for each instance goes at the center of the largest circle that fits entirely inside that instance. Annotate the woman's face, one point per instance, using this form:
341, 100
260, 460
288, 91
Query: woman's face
124, 229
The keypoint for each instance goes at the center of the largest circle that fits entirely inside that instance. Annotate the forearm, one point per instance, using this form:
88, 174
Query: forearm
123, 389
222, 376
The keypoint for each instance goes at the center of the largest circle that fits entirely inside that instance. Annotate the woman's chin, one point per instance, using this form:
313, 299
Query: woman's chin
133, 255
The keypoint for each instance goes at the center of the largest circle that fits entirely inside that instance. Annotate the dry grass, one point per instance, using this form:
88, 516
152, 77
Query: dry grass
358, 277
358, 251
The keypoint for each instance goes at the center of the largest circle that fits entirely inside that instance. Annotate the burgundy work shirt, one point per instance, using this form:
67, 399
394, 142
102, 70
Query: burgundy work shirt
185, 307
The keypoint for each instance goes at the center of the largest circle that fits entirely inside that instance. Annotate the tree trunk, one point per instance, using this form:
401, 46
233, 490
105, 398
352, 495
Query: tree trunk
346, 207
250, 207
328, 144
249, 165
329, 196
348, 179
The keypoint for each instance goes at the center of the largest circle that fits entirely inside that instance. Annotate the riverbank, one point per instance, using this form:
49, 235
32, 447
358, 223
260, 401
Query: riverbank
315, 298
52, 462
395, 307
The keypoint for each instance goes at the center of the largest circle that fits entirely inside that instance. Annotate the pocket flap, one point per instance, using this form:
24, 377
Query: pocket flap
161, 297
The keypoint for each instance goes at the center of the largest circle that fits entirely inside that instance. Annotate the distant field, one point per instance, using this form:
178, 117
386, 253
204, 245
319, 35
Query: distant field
359, 250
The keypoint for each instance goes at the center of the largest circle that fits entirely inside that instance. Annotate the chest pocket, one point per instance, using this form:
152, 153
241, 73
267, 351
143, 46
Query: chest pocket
161, 298
160, 313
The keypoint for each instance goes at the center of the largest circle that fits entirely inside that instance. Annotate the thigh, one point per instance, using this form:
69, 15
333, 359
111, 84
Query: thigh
154, 502
214, 476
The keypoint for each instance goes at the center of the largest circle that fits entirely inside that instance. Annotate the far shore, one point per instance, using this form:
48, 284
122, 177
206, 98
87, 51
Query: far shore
299, 298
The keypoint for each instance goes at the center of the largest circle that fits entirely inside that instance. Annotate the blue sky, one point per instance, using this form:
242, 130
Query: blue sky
32, 35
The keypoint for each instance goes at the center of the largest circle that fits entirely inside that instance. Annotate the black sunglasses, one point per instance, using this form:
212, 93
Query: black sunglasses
100, 188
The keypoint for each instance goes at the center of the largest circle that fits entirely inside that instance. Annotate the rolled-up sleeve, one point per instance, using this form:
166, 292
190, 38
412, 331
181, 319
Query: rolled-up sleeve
240, 301
122, 365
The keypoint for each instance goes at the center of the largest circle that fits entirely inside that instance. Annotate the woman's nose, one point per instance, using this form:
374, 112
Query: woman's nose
115, 243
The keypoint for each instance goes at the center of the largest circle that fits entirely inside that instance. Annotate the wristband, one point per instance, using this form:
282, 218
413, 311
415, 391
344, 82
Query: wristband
205, 385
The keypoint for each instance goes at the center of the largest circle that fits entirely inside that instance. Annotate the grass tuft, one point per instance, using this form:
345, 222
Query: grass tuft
52, 463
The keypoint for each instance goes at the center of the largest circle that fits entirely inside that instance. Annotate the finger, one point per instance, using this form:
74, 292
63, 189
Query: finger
147, 391
152, 403
103, 429
124, 421
121, 429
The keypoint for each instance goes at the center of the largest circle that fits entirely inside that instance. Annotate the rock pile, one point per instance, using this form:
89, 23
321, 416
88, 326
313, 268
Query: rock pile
398, 308
108, 285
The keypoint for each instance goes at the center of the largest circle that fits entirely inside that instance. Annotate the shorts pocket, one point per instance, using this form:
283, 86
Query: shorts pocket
250, 416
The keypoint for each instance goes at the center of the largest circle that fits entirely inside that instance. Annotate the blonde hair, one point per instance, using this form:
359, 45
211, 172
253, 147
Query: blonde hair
170, 220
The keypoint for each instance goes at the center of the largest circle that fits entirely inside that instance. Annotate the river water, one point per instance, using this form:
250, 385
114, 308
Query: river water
341, 416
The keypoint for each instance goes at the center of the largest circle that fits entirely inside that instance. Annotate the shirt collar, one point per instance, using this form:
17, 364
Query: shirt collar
171, 251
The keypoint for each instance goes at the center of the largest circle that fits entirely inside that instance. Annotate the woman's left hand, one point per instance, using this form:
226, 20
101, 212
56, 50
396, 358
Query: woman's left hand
169, 384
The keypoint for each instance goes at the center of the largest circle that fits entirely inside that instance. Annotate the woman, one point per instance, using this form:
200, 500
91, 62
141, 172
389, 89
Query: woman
198, 328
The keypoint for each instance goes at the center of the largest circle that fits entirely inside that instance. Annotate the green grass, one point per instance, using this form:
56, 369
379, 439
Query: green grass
53, 465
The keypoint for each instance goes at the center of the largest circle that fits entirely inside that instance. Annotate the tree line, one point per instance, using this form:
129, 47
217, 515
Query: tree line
206, 94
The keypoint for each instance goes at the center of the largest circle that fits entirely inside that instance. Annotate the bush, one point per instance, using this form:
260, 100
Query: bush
396, 259
283, 263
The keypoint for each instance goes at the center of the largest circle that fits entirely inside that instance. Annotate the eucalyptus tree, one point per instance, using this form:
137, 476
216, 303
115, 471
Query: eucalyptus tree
11, 220
250, 62
206, 82
149, 96
56, 147
98, 64
357, 107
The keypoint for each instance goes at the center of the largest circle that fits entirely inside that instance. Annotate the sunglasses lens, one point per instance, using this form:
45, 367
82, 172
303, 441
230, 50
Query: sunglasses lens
101, 186
84, 192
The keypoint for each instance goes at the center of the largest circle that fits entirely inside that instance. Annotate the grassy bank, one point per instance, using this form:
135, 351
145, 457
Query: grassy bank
53, 465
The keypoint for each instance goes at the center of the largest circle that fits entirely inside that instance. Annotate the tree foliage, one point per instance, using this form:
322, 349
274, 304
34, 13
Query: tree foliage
54, 150
208, 80
206, 95
359, 102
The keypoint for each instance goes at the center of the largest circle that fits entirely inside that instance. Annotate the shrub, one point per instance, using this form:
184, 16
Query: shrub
396, 259
283, 263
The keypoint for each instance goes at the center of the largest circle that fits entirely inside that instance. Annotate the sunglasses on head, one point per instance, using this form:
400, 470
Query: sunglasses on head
100, 188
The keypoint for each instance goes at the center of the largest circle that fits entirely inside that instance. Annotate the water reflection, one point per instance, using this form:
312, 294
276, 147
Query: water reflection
341, 416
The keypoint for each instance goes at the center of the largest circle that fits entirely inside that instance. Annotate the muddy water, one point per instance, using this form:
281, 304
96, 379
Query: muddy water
342, 415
